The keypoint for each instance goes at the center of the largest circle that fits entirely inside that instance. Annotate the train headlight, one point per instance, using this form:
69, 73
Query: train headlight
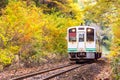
73, 30
88, 30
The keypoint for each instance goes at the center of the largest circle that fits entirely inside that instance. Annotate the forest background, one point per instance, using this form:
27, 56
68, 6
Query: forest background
35, 30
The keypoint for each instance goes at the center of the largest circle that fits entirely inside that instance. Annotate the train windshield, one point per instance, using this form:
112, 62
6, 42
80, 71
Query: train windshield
90, 34
72, 35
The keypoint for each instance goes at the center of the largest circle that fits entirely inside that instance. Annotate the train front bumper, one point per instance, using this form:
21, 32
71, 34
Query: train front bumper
83, 55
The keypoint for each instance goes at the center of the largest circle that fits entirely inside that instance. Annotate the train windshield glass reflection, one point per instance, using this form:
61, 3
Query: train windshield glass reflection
72, 35
90, 34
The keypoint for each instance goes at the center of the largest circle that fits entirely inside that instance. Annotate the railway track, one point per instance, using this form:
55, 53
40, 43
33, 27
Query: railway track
48, 74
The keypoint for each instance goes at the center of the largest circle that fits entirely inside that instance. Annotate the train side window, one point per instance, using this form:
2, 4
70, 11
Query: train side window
81, 37
90, 34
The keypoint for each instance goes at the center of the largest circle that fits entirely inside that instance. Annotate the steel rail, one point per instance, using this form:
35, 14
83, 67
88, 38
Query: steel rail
38, 72
61, 72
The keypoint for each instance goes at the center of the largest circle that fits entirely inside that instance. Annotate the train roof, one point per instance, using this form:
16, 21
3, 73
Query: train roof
82, 27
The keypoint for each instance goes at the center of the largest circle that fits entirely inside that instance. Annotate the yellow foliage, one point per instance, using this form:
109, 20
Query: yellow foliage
115, 48
116, 30
5, 57
27, 31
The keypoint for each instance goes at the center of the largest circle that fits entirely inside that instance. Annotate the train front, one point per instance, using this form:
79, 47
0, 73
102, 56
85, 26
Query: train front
82, 43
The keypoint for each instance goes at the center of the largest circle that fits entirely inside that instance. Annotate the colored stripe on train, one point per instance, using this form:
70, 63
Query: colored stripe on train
90, 49
72, 49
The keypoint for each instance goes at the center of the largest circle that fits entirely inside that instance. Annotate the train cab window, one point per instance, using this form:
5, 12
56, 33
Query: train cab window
90, 34
72, 35
81, 37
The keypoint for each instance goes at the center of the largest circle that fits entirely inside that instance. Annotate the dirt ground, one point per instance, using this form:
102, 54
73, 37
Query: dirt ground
98, 70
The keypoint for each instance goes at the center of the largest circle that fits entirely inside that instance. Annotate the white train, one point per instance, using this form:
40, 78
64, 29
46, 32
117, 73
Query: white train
83, 43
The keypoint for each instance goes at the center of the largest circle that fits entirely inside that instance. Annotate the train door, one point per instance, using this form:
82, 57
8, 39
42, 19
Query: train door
81, 41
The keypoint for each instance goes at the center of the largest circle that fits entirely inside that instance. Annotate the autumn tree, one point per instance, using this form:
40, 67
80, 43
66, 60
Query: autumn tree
32, 33
3, 3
